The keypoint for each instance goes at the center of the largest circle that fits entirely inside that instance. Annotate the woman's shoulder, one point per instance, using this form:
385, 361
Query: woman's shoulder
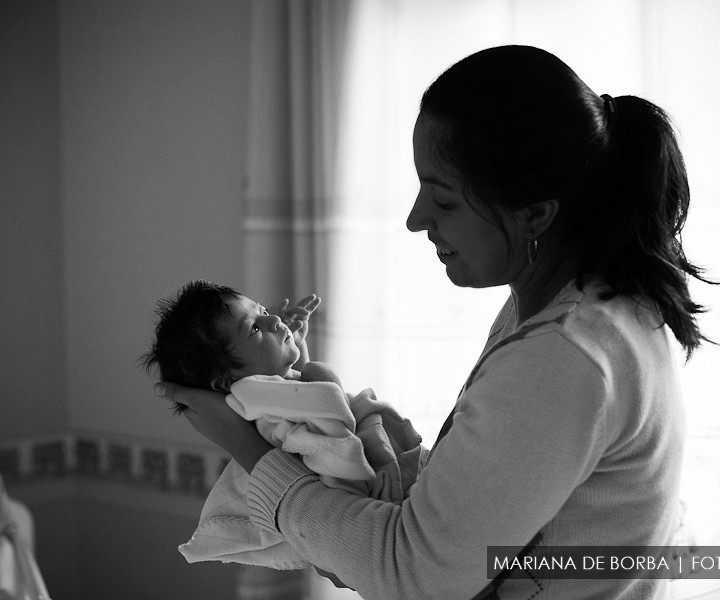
614, 332
592, 309
600, 318
584, 317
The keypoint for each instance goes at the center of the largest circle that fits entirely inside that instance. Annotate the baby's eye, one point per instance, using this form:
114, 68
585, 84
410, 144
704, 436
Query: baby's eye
255, 328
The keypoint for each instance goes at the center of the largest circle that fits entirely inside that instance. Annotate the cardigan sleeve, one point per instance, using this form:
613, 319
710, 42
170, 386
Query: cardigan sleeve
529, 428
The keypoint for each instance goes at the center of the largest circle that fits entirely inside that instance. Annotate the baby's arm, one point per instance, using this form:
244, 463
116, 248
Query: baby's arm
319, 371
296, 318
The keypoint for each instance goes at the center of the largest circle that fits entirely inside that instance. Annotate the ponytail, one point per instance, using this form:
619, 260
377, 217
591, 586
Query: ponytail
641, 201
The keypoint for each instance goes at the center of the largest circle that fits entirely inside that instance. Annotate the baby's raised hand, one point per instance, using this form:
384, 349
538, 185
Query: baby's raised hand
296, 317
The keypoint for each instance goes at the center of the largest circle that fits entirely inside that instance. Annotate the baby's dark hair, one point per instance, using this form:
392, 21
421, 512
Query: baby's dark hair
188, 349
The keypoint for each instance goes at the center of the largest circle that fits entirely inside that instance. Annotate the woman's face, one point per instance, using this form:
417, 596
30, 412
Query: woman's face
473, 249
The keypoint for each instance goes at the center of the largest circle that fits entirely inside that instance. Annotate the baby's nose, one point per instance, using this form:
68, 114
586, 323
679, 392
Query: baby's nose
272, 322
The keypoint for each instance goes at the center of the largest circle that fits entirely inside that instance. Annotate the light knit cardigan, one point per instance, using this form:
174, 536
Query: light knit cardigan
570, 431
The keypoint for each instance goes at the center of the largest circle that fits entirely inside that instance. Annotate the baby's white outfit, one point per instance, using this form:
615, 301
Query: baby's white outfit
354, 442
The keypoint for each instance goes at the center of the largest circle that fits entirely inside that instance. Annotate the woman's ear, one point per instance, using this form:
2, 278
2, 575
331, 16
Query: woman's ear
539, 216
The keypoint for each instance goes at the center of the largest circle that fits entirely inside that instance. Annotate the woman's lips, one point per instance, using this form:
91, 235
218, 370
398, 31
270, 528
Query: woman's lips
443, 253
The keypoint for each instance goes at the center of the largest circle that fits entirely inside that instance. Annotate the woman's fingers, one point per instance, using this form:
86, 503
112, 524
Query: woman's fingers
190, 397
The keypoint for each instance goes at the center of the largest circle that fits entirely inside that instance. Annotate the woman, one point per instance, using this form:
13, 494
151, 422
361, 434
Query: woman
569, 430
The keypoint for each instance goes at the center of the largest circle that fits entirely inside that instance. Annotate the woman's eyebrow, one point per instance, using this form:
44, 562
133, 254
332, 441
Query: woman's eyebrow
433, 180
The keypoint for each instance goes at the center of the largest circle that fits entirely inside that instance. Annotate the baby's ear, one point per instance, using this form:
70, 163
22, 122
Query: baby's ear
221, 383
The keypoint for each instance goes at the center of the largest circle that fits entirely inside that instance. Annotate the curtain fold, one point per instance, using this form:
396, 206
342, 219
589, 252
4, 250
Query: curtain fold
296, 57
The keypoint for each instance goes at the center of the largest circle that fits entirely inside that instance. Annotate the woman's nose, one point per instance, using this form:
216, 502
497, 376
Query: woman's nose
416, 220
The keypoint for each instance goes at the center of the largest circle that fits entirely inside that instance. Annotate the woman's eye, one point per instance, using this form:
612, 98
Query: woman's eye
265, 312
443, 205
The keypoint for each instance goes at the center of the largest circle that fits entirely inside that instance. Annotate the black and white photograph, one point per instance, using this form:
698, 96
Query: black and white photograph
360, 299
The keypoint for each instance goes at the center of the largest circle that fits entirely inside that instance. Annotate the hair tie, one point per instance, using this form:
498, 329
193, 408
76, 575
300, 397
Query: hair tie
610, 108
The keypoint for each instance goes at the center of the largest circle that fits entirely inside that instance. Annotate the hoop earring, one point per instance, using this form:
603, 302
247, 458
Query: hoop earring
532, 250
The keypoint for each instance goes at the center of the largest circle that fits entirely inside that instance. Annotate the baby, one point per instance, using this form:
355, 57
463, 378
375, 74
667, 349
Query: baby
214, 337
209, 336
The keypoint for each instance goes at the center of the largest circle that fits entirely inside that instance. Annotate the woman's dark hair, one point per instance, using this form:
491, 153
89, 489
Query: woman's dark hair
518, 122
188, 349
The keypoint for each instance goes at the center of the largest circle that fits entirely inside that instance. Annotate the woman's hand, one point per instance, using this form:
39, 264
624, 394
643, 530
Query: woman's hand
212, 417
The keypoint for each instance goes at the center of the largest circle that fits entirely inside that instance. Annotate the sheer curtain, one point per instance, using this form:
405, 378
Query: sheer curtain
334, 93
296, 58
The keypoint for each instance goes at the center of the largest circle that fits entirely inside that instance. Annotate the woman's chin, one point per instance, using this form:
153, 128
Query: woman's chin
476, 276
458, 277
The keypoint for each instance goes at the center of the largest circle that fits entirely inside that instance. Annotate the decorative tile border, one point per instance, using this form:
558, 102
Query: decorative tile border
152, 464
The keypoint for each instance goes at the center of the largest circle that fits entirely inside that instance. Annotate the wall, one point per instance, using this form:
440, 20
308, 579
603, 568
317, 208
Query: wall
32, 355
153, 101
122, 173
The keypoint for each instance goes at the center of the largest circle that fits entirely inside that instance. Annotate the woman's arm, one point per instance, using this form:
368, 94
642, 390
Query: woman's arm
497, 478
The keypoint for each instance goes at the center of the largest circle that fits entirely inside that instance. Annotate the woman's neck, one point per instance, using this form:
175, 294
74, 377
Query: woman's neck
539, 283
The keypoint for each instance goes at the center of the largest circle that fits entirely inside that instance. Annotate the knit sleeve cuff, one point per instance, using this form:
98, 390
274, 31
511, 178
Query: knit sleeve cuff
272, 477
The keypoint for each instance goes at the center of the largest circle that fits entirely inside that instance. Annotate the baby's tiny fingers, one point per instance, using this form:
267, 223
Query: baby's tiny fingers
310, 303
307, 300
294, 326
283, 306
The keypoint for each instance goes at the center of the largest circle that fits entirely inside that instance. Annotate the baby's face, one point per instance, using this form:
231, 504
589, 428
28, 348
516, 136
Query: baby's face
261, 342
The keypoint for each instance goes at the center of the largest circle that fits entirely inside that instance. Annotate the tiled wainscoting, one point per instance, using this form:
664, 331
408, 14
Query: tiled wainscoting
152, 464
110, 511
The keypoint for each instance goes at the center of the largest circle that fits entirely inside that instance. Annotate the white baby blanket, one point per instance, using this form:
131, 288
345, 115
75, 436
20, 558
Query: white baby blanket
357, 443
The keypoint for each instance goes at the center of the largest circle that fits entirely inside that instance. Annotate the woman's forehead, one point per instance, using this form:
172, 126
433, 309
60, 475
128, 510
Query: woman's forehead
428, 162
